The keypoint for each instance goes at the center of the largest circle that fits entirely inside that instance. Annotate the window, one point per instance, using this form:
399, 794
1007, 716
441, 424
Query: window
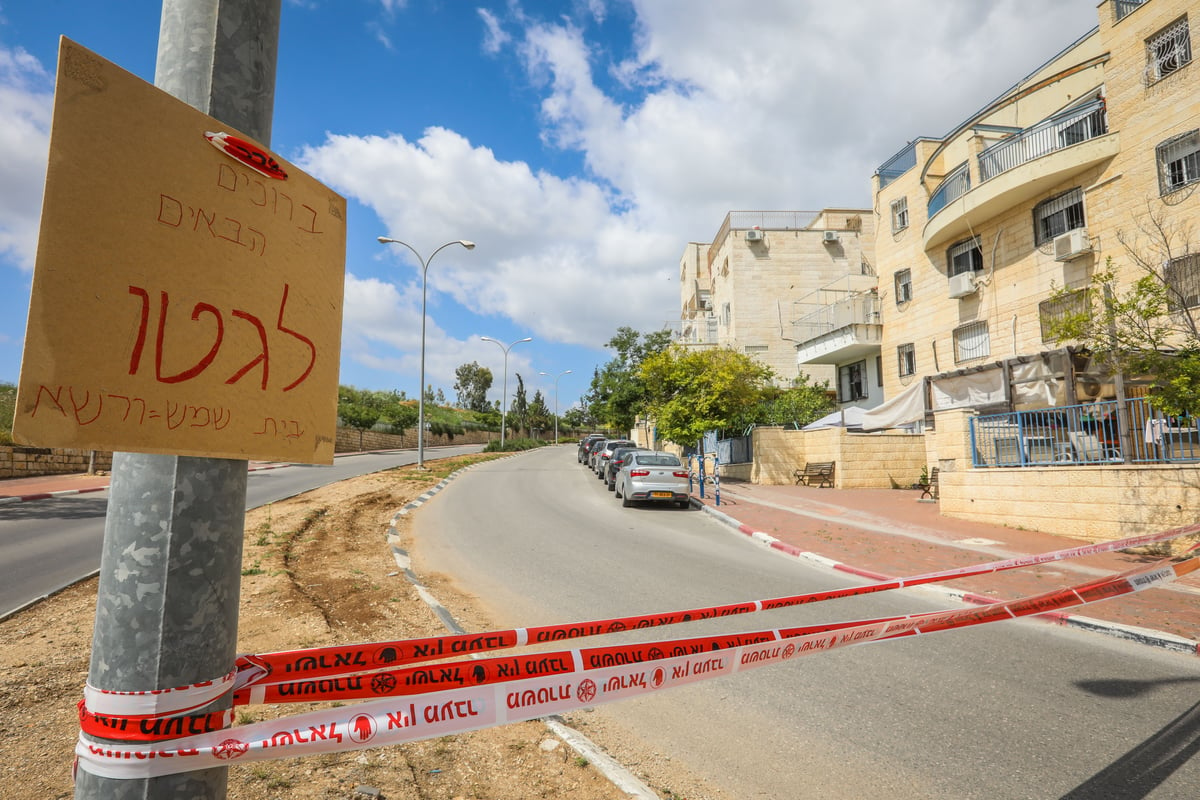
726, 314
1050, 311
1182, 276
964, 257
879, 371
1124, 8
906, 358
1178, 161
971, 341
899, 214
1168, 50
852, 382
903, 286
1057, 215
756, 348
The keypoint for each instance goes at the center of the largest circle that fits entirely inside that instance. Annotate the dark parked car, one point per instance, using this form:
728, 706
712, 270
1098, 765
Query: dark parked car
585, 445
604, 453
590, 458
615, 462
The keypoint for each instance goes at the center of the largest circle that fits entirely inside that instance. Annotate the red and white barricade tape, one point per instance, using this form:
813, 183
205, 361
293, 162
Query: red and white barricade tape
577, 679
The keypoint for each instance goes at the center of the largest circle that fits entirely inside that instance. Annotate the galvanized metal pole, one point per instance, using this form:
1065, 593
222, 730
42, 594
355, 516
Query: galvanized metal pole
170, 569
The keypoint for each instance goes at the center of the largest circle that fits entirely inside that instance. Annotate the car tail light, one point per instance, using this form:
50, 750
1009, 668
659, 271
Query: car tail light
638, 473
680, 474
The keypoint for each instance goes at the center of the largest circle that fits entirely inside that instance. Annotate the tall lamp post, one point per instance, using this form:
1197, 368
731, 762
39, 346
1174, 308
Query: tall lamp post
504, 397
547, 374
421, 393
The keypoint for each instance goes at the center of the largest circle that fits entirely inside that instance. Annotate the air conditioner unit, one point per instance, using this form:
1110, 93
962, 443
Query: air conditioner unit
962, 285
831, 236
1072, 245
754, 235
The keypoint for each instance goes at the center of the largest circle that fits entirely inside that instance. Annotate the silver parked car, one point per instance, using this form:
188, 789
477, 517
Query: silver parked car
653, 476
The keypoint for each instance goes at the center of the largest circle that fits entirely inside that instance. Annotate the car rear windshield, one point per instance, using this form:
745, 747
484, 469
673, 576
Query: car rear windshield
657, 461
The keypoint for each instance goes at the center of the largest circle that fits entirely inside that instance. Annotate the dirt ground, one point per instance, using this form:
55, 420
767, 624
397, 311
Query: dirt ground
316, 571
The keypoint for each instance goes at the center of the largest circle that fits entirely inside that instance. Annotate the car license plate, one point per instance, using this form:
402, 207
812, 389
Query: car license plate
661, 494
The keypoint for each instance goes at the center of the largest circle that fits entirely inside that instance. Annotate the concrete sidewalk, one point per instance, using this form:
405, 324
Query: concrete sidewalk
885, 533
889, 533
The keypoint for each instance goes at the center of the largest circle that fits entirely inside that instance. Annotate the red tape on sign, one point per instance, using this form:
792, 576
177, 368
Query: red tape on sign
649, 669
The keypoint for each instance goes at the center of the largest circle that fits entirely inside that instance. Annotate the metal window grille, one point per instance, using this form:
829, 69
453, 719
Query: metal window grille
756, 348
1168, 50
899, 214
903, 286
906, 357
971, 341
1182, 276
726, 314
965, 256
1124, 8
1178, 161
1050, 311
1058, 215
852, 382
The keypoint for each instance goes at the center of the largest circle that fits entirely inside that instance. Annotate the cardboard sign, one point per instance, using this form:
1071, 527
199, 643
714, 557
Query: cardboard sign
187, 296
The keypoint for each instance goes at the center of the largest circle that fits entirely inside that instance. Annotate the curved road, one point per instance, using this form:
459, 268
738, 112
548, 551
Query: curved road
48, 544
1009, 710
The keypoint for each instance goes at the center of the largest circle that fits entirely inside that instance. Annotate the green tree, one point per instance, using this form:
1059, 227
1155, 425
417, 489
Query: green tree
540, 416
691, 392
1146, 327
471, 386
618, 394
796, 406
518, 411
401, 416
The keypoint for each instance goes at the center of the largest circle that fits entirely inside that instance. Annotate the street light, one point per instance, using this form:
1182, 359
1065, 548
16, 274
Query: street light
421, 393
504, 396
547, 374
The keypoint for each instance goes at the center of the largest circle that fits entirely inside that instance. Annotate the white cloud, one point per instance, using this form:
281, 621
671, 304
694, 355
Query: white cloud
25, 106
775, 105
495, 37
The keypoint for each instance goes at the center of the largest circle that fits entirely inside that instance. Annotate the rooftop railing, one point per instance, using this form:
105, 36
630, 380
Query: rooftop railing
897, 165
1124, 8
1050, 135
862, 308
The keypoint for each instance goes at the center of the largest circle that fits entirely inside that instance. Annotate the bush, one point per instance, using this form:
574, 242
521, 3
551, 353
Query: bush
513, 445
8, 407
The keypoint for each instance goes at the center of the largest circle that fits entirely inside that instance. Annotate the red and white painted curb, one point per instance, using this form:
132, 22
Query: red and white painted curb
1133, 633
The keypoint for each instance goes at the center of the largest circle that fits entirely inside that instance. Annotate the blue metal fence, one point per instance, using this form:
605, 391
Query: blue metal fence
1087, 433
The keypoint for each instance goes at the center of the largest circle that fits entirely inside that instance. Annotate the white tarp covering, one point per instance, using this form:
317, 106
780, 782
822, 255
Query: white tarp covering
972, 389
903, 409
849, 418
1035, 384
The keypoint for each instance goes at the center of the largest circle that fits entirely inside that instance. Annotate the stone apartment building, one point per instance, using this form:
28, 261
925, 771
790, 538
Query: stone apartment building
764, 271
1036, 191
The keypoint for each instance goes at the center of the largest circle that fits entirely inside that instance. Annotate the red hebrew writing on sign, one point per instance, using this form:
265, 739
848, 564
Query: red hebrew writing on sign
217, 332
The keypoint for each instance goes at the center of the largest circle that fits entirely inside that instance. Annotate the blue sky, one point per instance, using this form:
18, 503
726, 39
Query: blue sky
581, 144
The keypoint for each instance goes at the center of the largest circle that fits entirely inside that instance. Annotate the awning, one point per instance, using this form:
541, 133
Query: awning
903, 409
849, 418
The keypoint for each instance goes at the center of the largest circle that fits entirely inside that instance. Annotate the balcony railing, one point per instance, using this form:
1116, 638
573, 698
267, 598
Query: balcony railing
897, 165
1086, 434
861, 308
954, 186
1050, 135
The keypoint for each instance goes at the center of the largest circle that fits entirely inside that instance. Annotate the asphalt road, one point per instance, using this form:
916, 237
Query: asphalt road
48, 544
1009, 710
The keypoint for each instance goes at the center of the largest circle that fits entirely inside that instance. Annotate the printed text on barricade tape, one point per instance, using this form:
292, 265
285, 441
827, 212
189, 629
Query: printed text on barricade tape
343, 660
394, 721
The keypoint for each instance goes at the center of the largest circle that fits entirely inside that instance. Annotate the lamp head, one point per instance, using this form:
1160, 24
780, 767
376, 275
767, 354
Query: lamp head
466, 244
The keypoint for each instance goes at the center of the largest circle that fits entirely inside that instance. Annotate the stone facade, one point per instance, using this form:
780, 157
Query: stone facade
741, 290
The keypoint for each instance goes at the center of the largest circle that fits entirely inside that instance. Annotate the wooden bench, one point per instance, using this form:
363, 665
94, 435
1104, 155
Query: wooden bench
930, 489
820, 471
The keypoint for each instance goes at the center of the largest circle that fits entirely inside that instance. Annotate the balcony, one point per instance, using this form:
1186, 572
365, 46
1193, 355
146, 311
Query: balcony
1050, 135
1018, 169
847, 329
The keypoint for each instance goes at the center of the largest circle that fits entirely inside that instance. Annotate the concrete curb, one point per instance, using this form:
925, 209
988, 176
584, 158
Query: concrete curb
24, 498
1146, 636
